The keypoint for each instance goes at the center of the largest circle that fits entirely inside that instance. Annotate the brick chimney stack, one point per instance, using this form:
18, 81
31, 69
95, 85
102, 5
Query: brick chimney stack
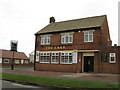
52, 20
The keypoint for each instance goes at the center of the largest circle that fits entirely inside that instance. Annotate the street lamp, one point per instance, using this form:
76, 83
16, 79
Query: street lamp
13, 49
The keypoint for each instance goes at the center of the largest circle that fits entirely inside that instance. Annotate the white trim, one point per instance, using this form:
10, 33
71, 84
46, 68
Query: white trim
88, 30
68, 51
63, 38
6, 59
88, 34
52, 57
48, 38
44, 62
88, 50
114, 55
67, 32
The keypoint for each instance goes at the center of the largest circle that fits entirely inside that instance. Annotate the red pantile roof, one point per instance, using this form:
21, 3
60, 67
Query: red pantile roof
9, 54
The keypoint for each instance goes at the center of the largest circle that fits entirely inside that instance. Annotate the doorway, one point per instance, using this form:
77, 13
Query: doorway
88, 63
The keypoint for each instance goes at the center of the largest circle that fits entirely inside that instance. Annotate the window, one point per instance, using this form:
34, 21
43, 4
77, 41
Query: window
6, 60
0, 60
26, 61
17, 62
55, 57
112, 58
104, 57
66, 58
88, 36
45, 39
67, 38
44, 57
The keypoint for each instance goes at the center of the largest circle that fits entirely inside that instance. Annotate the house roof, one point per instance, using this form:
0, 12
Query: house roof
9, 54
82, 23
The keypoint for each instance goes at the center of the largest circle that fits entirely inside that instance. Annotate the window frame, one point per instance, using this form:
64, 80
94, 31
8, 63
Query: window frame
47, 54
88, 34
6, 59
65, 36
45, 39
65, 57
114, 54
16, 61
104, 57
55, 55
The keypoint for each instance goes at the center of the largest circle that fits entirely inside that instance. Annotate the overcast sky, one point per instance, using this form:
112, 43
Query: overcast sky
21, 19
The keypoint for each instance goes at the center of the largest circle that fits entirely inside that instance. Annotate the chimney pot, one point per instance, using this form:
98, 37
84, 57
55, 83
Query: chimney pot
52, 20
115, 44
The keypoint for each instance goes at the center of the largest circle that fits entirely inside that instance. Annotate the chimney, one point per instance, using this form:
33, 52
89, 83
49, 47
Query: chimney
115, 44
52, 20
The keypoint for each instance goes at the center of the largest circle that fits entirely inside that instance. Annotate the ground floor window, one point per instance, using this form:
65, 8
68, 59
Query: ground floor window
112, 57
66, 58
104, 57
0, 60
26, 61
55, 57
44, 57
6, 60
17, 61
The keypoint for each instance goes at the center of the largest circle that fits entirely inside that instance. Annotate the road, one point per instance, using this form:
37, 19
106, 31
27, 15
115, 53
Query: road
7, 84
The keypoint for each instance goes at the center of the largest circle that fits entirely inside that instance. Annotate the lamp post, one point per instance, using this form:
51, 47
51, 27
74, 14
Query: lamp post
13, 49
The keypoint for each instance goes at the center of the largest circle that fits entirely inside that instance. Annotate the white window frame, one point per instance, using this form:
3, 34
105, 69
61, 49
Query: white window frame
6, 62
17, 61
64, 55
44, 55
64, 38
45, 39
114, 56
56, 56
88, 33
0, 60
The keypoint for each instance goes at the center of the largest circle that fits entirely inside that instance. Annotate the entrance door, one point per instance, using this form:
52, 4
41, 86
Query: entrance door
88, 63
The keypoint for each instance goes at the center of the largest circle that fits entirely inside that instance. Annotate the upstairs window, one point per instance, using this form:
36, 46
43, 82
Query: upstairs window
88, 36
45, 39
67, 38
112, 58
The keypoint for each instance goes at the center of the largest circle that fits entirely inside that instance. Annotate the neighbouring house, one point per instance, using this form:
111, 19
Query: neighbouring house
80, 45
6, 57
31, 56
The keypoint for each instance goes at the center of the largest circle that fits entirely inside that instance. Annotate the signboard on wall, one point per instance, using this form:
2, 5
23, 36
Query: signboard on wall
37, 56
75, 57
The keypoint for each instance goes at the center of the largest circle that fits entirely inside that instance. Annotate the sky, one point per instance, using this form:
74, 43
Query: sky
21, 19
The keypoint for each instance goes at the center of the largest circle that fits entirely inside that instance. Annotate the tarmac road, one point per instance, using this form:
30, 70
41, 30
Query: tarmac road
7, 84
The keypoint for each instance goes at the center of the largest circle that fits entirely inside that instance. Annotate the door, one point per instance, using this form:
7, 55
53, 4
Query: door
88, 63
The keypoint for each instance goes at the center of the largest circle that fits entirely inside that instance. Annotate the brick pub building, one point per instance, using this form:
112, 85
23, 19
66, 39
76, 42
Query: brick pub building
80, 45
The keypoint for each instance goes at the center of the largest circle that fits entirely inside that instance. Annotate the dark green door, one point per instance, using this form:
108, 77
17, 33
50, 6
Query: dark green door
88, 63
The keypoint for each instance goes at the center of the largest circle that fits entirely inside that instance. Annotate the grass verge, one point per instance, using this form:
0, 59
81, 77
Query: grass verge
58, 81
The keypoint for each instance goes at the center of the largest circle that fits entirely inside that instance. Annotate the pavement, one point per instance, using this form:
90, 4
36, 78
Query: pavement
97, 77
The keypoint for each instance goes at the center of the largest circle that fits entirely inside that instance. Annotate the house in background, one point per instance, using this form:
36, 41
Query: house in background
19, 57
80, 45
31, 56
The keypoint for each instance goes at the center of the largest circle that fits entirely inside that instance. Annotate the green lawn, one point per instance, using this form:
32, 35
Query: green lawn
58, 81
